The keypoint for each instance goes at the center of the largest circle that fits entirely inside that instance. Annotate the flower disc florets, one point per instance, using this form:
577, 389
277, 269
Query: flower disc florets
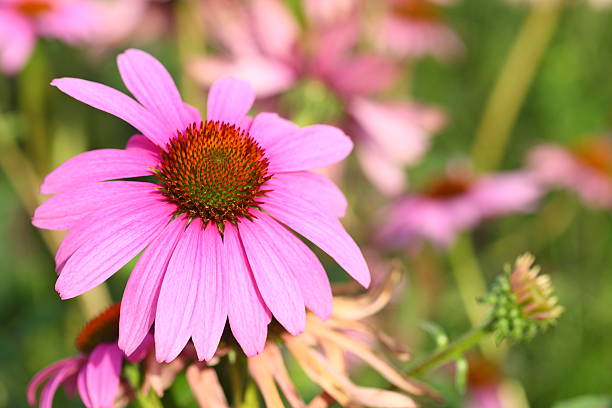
34, 7
417, 10
214, 171
103, 328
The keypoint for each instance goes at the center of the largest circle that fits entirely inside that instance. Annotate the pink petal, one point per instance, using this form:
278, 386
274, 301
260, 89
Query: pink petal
312, 147
141, 352
314, 188
364, 75
48, 392
98, 165
211, 310
387, 175
175, 315
82, 387
322, 230
64, 210
139, 302
119, 241
148, 80
269, 128
45, 373
192, 114
506, 193
142, 143
247, 314
266, 244
229, 100
118, 104
103, 370
17, 39
274, 27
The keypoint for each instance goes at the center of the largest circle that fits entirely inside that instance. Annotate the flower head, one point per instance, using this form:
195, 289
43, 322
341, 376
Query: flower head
523, 302
456, 202
216, 224
96, 372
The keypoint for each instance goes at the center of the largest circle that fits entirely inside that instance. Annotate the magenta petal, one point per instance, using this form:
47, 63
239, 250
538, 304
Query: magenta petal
275, 28
269, 128
103, 369
48, 392
312, 187
312, 147
248, 315
152, 85
141, 352
322, 230
64, 210
118, 104
174, 318
139, 302
98, 165
17, 39
112, 247
44, 374
273, 268
229, 100
82, 387
211, 310
140, 142
192, 114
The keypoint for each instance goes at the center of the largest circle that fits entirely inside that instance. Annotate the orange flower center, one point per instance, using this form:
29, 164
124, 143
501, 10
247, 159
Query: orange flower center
101, 329
449, 186
423, 10
596, 154
34, 8
214, 171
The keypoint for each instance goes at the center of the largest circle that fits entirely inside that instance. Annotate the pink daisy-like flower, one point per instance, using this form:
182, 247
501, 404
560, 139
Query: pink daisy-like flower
22, 21
586, 170
96, 372
415, 28
455, 203
217, 223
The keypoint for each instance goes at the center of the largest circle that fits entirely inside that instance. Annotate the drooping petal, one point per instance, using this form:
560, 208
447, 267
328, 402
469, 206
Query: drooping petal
149, 81
44, 374
139, 301
312, 147
118, 104
278, 370
98, 165
64, 210
269, 128
82, 387
312, 187
258, 368
205, 386
48, 391
322, 230
119, 241
175, 315
364, 75
229, 100
211, 309
275, 28
248, 315
103, 374
268, 248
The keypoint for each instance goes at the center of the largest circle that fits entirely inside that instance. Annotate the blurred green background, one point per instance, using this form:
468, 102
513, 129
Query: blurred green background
571, 97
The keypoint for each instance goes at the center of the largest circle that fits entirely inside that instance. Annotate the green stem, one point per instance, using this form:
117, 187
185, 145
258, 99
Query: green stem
236, 372
450, 352
513, 83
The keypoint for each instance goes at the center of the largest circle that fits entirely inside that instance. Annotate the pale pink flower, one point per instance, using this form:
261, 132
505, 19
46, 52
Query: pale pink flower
215, 226
586, 170
328, 12
415, 29
96, 372
23, 21
456, 203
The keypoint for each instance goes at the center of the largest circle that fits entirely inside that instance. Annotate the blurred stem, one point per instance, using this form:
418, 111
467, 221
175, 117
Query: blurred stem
451, 352
190, 42
513, 83
236, 371
25, 181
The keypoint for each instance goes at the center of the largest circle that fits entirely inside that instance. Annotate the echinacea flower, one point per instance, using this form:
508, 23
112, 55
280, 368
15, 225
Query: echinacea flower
586, 169
216, 223
323, 352
457, 202
389, 135
22, 21
416, 28
96, 372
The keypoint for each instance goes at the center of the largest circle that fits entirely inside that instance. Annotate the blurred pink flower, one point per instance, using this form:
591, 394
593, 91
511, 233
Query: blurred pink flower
390, 135
214, 222
456, 203
328, 12
586, 170
96, 372
415, 28
22, 21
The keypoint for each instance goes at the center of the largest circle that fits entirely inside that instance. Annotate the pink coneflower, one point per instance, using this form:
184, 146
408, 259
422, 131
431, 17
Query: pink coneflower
22, 21
586, 169
216, 221
415, 28
96, 372
455, 203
